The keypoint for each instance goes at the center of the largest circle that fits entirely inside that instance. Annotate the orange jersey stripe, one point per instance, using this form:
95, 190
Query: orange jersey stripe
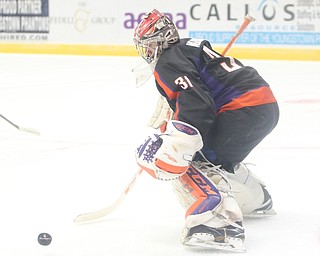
176, 113
260, 96
171, 94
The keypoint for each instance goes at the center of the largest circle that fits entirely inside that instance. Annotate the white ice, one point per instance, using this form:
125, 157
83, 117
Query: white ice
91, 118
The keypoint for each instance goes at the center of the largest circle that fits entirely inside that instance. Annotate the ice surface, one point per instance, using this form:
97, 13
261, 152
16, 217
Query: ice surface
92, 117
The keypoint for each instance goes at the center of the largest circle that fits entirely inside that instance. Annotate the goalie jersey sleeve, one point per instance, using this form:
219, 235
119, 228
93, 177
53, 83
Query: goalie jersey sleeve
198, 83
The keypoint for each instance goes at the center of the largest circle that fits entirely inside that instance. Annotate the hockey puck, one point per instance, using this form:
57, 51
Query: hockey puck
44, 239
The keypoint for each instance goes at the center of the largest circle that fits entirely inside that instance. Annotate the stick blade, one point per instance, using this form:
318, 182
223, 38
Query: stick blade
90, 216
29, 130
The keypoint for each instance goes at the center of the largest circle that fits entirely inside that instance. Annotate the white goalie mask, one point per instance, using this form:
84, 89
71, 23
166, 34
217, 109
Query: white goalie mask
154, 33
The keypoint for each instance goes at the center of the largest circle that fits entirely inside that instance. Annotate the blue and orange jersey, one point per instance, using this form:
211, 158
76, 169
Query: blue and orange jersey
199, 83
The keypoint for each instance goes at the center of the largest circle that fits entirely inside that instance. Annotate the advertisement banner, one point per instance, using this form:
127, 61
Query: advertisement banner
96, 26
286, 22
57, 21
23, 20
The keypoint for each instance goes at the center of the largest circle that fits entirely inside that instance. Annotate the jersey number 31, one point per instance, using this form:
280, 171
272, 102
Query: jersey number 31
183, 82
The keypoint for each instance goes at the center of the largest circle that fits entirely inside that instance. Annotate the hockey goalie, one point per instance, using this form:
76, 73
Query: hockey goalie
212, 112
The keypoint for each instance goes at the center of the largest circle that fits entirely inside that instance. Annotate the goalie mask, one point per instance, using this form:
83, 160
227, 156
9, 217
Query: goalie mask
154, 33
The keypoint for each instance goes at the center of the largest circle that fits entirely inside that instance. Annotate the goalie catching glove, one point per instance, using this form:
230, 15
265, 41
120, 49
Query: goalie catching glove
167, 156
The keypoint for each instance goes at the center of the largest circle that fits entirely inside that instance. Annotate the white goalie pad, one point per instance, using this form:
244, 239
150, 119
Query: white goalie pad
250, 192
163, 113
219, 228
143, 72
228, 208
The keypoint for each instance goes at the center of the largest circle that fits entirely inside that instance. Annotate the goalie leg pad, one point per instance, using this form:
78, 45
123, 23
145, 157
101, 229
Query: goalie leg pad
250, 192
197, 194
213, 217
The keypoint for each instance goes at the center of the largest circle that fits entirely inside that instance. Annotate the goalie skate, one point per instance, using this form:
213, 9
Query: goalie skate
229, 238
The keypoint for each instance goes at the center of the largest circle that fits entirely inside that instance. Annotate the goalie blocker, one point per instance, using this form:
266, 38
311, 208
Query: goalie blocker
167, 156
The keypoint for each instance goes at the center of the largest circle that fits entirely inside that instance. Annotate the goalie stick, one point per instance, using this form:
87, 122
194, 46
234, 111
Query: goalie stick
90, 216
105, 211
248, 18
23, 129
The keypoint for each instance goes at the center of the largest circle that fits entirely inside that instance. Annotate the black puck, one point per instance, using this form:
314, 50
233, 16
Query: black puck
44, 239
